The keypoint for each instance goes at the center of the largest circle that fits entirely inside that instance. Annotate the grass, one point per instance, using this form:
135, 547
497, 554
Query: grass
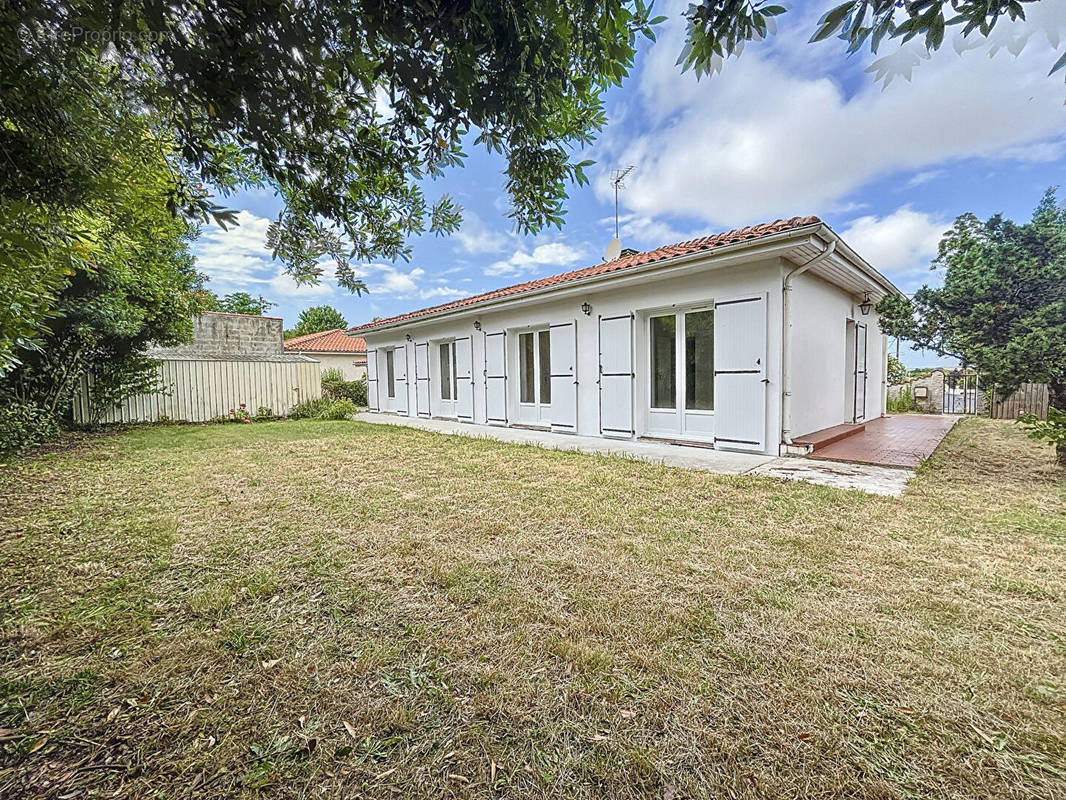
311, 609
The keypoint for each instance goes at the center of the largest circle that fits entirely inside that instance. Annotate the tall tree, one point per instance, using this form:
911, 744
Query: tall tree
132, 284
1002, 306
238, 303
316, 319
346, 108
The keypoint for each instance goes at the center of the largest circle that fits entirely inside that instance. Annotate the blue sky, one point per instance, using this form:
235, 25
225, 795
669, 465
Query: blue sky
887, 149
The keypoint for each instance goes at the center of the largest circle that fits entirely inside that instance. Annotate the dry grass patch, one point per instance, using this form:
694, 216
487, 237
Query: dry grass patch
341, 610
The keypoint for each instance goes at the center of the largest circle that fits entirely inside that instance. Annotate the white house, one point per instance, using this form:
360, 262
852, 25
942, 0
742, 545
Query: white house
743, 340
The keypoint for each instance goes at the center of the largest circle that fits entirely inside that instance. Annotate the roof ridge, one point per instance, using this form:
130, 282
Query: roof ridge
335, 340
708, 242
307, 336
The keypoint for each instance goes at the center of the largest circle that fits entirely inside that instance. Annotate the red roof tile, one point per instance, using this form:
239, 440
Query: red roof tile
625, 262
334, 341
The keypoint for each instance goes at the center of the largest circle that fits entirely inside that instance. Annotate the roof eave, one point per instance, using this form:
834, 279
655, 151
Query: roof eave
715, 254
860, 263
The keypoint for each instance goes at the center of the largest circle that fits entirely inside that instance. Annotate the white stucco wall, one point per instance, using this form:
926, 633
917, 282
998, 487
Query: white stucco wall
821, 359
345, 362
621, 295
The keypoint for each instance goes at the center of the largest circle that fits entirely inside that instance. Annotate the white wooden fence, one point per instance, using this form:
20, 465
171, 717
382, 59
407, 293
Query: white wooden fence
199, 389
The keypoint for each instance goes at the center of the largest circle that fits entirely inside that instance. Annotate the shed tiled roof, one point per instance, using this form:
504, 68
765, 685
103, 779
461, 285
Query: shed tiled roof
334, 341
619, 264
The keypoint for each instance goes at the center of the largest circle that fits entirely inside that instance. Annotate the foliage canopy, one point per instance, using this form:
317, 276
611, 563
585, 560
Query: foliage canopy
316, 319
1002, 306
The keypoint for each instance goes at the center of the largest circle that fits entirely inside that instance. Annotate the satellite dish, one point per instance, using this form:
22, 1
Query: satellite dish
614, 250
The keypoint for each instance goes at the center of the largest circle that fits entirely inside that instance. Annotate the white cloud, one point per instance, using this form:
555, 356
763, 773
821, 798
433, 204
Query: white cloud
900, 244
768, 138
553, 254
643, 232
924, 176
477, 238
237, 259
282, 285
238, 255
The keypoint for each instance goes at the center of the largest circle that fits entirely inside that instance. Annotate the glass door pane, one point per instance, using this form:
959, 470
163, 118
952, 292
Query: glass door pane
699, 360
446, 371
544, 371
663, 362
526, 368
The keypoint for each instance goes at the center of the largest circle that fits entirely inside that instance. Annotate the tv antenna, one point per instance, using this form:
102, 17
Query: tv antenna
618, 179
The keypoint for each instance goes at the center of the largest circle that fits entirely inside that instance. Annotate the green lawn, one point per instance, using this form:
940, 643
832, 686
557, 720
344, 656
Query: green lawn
316, 610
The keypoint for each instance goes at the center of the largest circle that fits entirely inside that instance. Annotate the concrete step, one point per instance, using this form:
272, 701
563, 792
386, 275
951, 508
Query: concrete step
811, 442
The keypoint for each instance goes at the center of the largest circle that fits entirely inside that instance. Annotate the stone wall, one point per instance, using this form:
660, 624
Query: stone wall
216, 333
928, 394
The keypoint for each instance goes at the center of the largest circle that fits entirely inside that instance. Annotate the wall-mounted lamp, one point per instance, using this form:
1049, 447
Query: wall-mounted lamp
866, 304
477, 324
407, 337
586, 308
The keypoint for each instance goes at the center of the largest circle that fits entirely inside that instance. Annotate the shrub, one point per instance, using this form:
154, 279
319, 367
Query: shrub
239, 414
1052, 430
335, 387
897, 373
902, 403
24, 426
324, 408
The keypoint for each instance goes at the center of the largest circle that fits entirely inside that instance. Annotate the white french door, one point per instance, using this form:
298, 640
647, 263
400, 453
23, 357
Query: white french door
534, 377
680, 362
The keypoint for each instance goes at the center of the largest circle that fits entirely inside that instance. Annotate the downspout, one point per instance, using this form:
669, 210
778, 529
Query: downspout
786, 340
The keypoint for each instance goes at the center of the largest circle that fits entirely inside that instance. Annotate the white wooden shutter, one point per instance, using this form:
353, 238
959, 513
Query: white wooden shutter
464, 378
562, 352
372, 380
496, 378
860, 372
400, 373
422, 379
740, 373
616, 375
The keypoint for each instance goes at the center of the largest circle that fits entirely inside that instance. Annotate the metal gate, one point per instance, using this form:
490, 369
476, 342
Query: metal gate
962, 393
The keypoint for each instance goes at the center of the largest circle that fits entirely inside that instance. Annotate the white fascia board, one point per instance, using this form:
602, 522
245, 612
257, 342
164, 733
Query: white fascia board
860, 264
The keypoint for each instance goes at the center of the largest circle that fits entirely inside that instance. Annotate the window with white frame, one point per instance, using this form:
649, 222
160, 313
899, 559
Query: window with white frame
448, 383
534, 367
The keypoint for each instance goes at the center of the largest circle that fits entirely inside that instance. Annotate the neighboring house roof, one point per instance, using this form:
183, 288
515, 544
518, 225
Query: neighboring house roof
334, 341
795, 226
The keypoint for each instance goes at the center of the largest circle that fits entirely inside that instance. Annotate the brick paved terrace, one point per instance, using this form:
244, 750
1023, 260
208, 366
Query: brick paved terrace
902, 440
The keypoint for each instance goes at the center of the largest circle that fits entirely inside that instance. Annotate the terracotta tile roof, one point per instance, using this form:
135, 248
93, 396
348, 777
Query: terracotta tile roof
625, 262
334, 341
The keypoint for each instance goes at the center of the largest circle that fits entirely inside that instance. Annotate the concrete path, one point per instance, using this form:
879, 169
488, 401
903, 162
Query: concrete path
886, 481
704, 458
870, 479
